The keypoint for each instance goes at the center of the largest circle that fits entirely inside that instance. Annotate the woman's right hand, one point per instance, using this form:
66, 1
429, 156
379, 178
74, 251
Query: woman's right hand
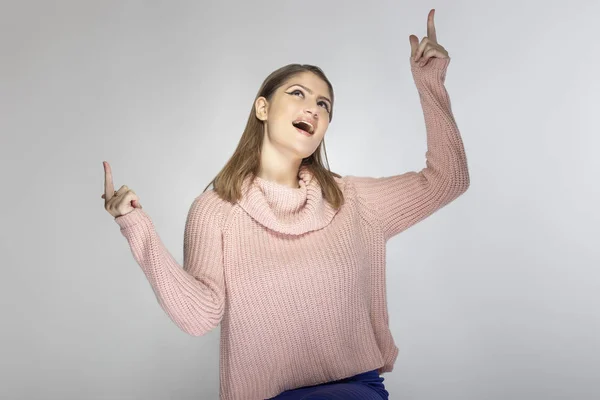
121, 202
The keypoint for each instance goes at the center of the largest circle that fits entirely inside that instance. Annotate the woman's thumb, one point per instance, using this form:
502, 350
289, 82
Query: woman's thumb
414, 44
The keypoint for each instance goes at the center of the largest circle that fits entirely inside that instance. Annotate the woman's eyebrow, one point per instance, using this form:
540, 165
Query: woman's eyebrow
309, 91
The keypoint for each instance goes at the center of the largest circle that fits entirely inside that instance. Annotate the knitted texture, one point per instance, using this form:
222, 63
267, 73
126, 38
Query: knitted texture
298, 287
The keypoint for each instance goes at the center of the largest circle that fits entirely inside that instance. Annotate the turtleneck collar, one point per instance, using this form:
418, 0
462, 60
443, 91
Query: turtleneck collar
287, 210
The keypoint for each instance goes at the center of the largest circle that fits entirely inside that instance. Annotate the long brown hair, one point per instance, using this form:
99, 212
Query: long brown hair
246, 158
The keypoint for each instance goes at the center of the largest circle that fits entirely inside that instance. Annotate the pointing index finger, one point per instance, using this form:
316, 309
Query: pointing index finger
109, 189
431, 34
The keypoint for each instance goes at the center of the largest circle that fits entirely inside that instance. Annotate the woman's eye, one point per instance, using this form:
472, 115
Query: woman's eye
299, 91
326, 105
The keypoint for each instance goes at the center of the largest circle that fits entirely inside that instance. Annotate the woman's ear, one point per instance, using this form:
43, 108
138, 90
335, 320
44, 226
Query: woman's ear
262, 106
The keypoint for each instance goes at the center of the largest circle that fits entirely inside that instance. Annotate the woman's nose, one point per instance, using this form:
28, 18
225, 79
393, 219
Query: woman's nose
313, 110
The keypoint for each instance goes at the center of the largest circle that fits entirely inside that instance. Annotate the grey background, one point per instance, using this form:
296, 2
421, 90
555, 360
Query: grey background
494, 297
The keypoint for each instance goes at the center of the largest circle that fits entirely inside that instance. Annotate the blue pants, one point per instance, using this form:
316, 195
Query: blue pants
365, 386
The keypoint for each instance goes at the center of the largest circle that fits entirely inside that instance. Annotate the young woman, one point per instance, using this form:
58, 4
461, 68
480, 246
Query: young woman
288, 256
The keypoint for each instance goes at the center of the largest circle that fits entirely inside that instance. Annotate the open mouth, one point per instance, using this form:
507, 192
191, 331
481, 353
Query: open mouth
303, 128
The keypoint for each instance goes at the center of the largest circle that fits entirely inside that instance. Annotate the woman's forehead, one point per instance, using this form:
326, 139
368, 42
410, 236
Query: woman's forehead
310, 82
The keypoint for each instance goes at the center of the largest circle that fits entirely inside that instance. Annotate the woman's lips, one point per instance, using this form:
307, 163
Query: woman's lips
303, 132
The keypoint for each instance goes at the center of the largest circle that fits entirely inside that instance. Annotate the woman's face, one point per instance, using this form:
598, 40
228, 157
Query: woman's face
303, 96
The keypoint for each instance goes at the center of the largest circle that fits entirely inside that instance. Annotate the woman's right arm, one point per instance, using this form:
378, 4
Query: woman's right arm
193, 295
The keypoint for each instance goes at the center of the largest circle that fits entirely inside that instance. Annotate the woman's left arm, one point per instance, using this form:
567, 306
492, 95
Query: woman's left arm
400, 201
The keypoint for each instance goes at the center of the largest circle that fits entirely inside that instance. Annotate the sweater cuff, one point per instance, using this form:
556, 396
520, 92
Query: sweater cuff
131, 218
434, 62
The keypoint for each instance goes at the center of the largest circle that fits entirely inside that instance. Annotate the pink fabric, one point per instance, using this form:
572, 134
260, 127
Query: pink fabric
298, 287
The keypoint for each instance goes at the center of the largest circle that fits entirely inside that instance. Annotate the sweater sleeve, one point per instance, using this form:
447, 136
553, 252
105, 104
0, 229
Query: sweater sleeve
193, 296
400, 201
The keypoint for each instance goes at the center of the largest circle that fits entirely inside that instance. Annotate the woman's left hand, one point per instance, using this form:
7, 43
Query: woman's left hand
429, 46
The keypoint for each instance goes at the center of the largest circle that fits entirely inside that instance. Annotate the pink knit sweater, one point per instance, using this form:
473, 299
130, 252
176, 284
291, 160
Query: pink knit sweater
298, 287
